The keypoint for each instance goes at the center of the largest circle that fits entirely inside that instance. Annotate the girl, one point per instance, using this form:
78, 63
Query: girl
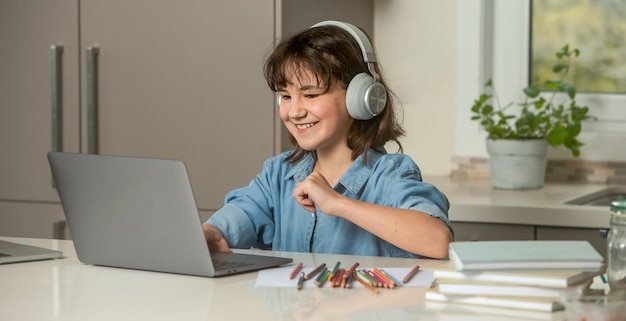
338, 191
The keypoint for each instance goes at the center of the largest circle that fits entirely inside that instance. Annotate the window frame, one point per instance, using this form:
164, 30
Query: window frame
492, 44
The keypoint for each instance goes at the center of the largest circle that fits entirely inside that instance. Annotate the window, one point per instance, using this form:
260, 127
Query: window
596, 27
494, 42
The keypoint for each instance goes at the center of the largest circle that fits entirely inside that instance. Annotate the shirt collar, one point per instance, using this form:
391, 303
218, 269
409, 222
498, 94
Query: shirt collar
353, 180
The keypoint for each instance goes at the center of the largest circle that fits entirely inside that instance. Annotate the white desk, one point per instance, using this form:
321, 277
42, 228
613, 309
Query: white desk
66, 289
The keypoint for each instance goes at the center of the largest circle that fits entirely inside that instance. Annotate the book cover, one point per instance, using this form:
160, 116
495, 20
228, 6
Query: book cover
523, 303
547, 278
473, 312
469, 287
503, 255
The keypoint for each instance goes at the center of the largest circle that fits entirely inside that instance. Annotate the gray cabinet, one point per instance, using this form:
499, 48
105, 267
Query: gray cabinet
470, 231
171, 79
473, 231
594, 236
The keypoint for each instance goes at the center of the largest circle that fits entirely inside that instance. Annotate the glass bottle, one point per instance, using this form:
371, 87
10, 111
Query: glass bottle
616, 270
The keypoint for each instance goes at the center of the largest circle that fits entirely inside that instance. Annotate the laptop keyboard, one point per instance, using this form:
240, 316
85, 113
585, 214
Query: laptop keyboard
224, 265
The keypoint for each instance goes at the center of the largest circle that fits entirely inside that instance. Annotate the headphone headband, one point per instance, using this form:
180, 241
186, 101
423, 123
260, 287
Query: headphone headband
366, 97
366, 47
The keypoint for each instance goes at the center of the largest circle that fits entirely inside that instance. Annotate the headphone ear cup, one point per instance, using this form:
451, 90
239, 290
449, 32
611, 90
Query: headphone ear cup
365, 98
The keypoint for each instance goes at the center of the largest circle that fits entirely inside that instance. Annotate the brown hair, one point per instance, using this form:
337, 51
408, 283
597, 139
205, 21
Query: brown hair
332, 54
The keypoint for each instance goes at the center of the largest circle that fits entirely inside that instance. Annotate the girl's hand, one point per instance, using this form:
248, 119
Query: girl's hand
215, 239
315, 191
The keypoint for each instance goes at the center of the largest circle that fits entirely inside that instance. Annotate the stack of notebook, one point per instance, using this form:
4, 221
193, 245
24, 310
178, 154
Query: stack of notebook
529, 275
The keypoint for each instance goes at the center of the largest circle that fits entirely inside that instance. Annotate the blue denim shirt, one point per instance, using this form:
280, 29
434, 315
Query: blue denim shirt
264, 214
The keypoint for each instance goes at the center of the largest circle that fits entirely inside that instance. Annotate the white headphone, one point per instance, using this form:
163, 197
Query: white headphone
366, 96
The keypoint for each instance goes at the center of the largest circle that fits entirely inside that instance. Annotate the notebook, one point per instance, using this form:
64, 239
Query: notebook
140, 213
16, 252
530, 255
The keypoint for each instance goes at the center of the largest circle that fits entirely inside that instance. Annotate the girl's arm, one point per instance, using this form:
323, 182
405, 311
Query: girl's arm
407, 229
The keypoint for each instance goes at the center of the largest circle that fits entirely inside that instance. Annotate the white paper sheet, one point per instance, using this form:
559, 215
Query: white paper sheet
279, 277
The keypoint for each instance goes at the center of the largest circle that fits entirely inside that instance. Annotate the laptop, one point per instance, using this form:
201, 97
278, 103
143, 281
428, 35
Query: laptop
140, 213
16, 252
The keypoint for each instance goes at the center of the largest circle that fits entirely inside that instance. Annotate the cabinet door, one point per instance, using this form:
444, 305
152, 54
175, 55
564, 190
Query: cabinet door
183, 79
27, 30
33, 219
594, 236
469, 231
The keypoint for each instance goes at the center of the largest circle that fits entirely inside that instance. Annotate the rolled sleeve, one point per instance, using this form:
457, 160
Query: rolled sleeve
235, 225
403, 183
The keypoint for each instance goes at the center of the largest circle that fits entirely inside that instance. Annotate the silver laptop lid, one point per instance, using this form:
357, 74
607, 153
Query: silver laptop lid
11, 252
137, 213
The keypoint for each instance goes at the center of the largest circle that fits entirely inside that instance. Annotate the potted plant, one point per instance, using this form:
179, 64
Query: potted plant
548, 115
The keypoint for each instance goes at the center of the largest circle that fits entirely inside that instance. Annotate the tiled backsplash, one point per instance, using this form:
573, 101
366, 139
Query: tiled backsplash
557, 171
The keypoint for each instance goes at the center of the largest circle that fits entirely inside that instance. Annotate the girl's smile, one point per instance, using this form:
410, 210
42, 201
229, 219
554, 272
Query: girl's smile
315, 116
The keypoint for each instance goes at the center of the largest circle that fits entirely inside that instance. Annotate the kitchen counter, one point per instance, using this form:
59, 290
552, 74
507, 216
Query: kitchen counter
474, 200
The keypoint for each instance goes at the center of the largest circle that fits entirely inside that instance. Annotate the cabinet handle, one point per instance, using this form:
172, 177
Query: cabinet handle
604, 232
92, 99
56, 95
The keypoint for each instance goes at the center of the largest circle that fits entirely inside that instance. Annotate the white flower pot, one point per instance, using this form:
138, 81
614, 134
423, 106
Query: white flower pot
517, 164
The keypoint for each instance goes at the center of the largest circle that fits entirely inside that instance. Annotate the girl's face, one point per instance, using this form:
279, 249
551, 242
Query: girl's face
318, 120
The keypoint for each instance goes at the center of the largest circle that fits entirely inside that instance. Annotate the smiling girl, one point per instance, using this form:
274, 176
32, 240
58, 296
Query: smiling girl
338, 190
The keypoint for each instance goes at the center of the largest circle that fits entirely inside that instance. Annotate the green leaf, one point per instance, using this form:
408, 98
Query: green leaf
553, 84
559, 67
539, 103
571, 91
557, 135
532, 91
574, 130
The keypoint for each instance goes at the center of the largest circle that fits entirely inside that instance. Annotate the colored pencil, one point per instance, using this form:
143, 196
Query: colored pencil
347, 282
385, 278
387, 274
315, 271
295, 271
350, 270
336, 281
334, 270
300, 281
366, 284
411, 274
366, 277
379, 282
325, 277
321, 275
388, 282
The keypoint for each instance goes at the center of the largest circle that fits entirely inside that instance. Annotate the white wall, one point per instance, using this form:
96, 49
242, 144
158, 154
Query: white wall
416, 46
